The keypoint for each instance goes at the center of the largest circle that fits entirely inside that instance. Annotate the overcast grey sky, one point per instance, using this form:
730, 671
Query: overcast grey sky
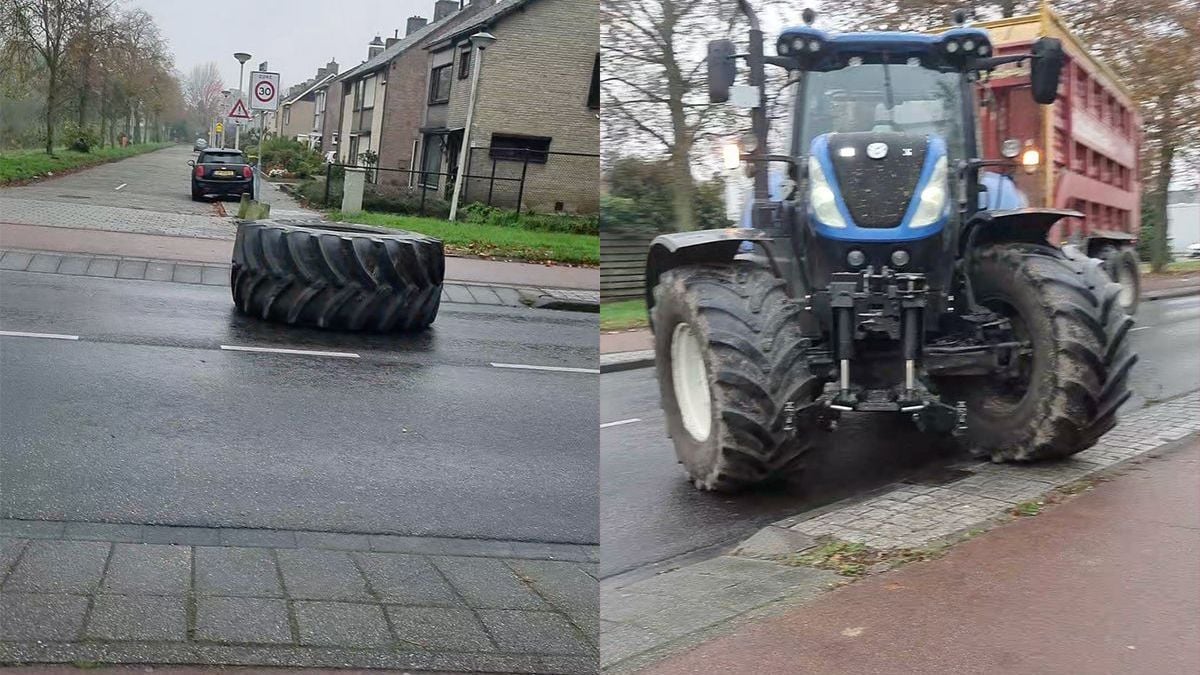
294, 36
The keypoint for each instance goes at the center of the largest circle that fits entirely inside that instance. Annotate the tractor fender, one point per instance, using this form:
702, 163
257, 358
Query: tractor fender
1023, 225
668, 251
1096, 240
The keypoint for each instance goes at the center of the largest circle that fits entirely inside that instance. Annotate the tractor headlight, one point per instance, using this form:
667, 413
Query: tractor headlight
821, 197
952, 46
814, 46
932, 204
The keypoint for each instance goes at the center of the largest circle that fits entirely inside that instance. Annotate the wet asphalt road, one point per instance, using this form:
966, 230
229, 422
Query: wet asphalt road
652, 519
146, 420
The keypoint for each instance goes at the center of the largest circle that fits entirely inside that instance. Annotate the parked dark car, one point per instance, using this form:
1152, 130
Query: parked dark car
221, 172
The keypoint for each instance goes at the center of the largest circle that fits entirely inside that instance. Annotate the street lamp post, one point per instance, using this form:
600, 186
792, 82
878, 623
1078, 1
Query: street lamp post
242, 58
480, 41
220, 116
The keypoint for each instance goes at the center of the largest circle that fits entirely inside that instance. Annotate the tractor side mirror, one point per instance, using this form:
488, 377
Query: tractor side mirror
1046, 69
722, 71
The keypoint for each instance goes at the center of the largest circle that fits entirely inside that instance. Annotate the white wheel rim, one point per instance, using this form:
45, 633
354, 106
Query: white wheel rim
690, 378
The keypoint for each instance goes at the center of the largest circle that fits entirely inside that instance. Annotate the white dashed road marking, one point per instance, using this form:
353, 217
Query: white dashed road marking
120, 186
46, 336
618, 423
562, 369
278, 350
1140, 328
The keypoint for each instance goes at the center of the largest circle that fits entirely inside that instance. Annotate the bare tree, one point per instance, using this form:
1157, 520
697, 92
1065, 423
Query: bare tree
45, 28
202, 93
653, 82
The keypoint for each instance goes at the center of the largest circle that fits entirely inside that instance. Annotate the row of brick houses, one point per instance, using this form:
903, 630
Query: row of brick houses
535, 134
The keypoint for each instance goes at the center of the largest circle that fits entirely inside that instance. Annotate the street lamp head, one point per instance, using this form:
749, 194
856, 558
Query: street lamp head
242, 57
483, 40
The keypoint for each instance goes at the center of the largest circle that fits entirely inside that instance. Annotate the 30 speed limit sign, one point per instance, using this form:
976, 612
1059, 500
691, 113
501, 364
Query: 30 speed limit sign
264, 90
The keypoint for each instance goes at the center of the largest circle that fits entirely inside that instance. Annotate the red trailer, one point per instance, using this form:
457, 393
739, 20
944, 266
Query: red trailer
1088, 141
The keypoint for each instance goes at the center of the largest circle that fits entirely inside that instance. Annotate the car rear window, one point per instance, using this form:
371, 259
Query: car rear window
222, 158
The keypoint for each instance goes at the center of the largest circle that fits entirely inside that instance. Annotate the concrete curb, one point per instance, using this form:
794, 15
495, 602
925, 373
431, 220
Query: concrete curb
618, 361
1167, 293
649, 619
562, 300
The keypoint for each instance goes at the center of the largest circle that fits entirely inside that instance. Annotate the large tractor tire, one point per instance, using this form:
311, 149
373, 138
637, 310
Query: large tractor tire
337, 276
1069, 387
733, 374
1121, 264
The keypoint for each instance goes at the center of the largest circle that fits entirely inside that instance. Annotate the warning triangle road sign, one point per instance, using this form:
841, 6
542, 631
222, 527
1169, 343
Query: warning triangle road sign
239, 111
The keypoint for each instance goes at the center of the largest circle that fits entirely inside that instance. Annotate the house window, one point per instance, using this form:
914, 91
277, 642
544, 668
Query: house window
533, 149
439, 84
464, 63
287, 114
368, 97
594, 90
352, 155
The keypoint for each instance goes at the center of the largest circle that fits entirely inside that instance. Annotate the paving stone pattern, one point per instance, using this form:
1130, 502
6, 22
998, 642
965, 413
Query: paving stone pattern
218, 275
111, 596
642, 619
85, 214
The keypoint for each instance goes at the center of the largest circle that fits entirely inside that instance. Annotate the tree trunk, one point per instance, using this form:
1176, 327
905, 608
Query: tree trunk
683, 204
1160, 252
51, 94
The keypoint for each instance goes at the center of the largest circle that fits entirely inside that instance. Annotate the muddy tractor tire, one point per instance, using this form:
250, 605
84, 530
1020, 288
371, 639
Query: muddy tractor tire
1073, 379
1121, 264
732, 371
337, 276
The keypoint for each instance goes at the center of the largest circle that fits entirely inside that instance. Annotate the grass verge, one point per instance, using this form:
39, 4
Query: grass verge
1175, 267
623, 314
23, 165
491, 240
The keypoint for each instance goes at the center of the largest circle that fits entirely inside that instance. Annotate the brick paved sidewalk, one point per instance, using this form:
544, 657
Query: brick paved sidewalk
642, 618
108, 593
142, 269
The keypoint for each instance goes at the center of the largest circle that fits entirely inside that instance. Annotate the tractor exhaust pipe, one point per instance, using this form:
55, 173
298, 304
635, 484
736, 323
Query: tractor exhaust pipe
912, 343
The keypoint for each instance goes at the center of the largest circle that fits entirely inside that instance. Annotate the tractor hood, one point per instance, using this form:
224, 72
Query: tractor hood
878, 186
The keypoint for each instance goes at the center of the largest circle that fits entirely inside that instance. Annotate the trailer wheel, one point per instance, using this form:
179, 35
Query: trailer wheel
1068, 387
1121, 264
733, 374
336, 275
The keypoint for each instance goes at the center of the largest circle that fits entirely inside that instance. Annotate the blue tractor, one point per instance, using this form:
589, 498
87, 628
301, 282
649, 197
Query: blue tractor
893, 270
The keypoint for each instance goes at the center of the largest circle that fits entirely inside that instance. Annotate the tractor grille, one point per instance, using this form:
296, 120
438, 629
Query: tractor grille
877, 191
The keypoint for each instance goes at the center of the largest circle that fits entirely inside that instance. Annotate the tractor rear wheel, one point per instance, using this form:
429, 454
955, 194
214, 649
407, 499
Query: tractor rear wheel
733, 374
337, 275
1064, 392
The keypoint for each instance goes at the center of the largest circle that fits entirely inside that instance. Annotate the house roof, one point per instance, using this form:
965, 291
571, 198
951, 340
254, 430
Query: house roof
305, 92
382, 58
487, 17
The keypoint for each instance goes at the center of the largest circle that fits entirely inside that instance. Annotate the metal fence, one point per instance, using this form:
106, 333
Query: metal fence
518, 179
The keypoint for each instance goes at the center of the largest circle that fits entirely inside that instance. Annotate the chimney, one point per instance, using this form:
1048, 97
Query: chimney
415, 23
443, 9
481, 4
331, 67
375, 47
321, 72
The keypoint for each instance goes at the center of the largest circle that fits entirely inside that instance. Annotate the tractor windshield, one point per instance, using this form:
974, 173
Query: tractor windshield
901, 97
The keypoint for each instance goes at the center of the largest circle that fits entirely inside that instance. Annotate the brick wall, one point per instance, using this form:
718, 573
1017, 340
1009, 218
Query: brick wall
535, 81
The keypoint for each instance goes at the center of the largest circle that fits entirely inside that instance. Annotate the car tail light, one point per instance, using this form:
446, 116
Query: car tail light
199, 171
246, 172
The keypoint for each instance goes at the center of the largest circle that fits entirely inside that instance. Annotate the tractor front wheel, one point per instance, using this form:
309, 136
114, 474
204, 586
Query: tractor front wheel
1063, 391
733, 374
